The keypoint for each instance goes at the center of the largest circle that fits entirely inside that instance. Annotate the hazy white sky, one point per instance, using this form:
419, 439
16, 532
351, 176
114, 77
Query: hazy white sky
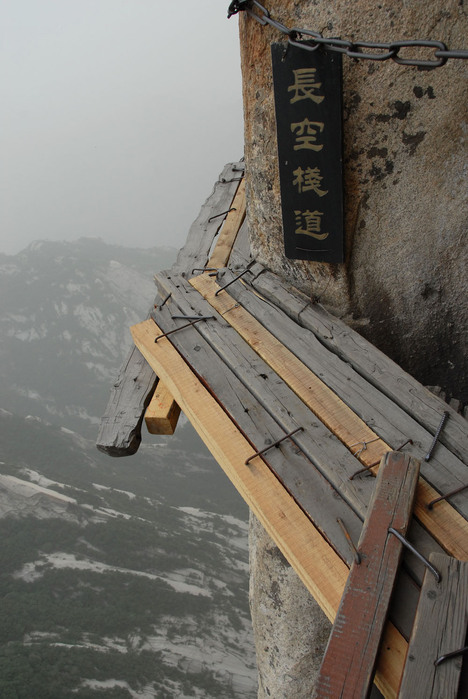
117, 117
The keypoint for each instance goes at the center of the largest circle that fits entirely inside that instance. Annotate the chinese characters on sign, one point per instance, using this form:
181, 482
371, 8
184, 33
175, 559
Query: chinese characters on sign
308, 106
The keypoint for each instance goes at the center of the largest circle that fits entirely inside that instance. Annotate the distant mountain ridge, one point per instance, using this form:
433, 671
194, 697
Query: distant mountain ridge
66, 309
120, 577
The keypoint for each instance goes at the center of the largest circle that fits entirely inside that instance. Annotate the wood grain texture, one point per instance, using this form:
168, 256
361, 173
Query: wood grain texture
445, 524
269, 401
348, 665
241, 255
162, 414
318, 566
120, 428
445, 471
196, 250
230, 229
378, 369
440, 627
323, 402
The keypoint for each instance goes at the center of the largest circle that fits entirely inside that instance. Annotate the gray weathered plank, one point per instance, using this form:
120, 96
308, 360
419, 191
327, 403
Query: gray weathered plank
241, 255
378, 369
120, 428
350, 657
440, 627
444, 471
196, 250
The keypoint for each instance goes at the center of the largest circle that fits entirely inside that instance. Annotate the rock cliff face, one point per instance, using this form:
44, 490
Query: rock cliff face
403, 282
405, 181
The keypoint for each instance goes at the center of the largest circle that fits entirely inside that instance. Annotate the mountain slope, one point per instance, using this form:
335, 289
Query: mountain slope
120, 577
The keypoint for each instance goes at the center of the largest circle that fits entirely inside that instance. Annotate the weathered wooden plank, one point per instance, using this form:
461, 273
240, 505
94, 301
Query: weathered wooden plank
330, 409
200, 238
262, 388
162, 413
378, 369
447, 526
440, 627
319, 567
241, 255
349, 661
231, 226
444, 471
120, 428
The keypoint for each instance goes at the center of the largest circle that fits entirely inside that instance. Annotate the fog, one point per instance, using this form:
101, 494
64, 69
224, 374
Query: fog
117, 117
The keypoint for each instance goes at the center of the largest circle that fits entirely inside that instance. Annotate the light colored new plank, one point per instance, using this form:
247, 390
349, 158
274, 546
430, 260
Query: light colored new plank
162, 413
318, 566
231, 226
348, 664
439, 628
446, 525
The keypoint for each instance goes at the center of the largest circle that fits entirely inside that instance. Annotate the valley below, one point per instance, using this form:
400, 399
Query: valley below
121, 577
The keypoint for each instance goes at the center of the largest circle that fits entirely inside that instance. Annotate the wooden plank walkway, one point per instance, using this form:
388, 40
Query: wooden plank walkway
348, 665
272, 372
120, 428
264, 408
447, 526
319, 567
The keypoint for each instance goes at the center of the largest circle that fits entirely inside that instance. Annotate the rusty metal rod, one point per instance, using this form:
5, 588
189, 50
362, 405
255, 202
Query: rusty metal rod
275, 444
447, 495
177, 329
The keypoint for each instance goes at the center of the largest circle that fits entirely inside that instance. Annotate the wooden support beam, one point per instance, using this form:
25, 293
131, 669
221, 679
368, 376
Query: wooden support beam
348, 665
445, 524
439, 628
162, 413
230, 229
318, 566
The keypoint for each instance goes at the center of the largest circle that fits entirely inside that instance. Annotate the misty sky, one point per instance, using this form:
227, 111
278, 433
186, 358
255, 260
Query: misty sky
117, 117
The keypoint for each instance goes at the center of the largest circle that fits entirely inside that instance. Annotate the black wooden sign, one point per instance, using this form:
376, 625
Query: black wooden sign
308, 102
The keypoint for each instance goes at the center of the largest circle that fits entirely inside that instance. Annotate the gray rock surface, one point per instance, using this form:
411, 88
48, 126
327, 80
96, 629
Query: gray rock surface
406, 200
290, 629
403, 284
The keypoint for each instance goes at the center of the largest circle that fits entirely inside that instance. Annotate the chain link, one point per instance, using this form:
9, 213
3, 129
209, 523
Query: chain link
368, 50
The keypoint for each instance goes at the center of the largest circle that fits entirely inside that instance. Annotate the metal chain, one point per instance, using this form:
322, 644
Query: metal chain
369, 50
